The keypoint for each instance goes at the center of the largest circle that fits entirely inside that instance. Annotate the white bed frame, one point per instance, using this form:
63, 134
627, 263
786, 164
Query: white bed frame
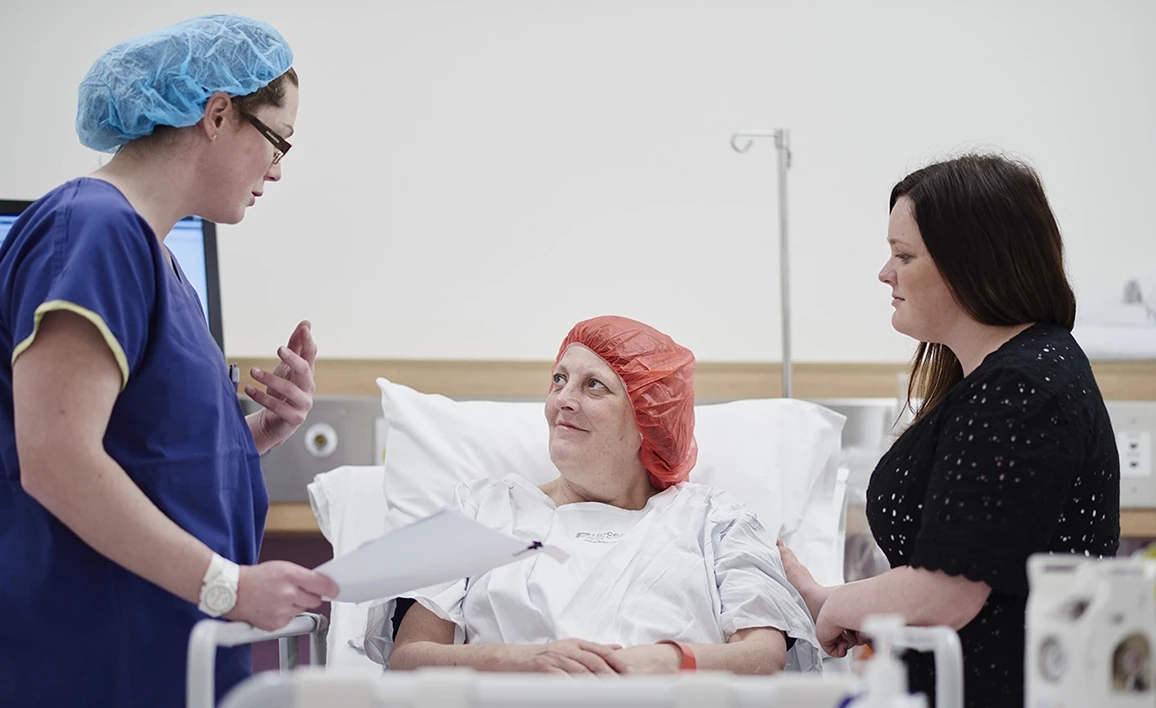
316, 685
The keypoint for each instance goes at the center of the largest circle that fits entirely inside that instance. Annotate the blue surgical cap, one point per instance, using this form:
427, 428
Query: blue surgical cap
165, 78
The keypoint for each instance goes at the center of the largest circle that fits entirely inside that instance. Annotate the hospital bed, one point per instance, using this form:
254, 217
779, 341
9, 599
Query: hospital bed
1110, 342
1123, 330
781, 457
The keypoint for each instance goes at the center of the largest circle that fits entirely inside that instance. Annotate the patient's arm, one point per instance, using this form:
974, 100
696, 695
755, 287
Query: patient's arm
756, 650
424, 639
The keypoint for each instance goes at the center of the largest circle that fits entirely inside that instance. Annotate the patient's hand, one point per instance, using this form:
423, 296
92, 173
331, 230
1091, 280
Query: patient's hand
813, 593
647, 659
569, 656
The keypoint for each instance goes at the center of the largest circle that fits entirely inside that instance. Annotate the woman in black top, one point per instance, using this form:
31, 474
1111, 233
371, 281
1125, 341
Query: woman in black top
1011, 452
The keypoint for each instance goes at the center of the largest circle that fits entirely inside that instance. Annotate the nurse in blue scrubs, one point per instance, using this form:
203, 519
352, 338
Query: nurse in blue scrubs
131, 497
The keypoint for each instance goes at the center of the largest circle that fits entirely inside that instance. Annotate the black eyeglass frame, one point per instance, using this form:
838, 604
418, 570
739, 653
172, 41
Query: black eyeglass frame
280, 145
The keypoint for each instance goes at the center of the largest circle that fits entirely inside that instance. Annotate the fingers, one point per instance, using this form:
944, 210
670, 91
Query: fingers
271, 594
619, 663
307, 590
601, 650
297, 335
281, 371
301, 341
594, 663
555, 662
845, 642
571, 666
587, 655
785, 553
306, 600
278, 407
601, 658
284, 388
292, 368
317, 584
308, 350
270, 624
271, 620
296, 363
292, 381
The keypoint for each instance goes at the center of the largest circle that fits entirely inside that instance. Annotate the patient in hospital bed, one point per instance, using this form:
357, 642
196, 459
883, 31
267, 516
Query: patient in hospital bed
663, 574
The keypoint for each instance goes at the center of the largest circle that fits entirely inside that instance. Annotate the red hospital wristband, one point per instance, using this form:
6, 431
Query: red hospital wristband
688, 661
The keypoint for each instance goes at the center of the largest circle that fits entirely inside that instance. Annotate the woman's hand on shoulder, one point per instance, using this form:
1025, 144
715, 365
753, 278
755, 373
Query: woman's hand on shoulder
813, 593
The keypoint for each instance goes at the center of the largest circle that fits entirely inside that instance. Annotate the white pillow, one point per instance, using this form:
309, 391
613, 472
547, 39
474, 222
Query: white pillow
771, 454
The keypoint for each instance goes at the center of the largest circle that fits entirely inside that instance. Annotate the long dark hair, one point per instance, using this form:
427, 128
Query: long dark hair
989, 229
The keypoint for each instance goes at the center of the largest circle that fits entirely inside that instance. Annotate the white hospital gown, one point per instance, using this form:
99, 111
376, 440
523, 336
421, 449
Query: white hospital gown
694, 565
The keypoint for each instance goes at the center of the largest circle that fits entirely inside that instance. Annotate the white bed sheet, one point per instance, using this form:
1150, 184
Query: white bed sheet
349, 503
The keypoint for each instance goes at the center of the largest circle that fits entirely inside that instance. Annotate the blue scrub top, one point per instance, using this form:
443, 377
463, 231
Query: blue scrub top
77, 629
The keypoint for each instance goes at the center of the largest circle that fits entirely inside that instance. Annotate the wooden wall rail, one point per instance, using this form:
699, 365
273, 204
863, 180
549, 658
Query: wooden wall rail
713, 380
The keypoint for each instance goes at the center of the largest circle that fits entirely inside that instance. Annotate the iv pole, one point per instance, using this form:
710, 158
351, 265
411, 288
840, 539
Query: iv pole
783, 147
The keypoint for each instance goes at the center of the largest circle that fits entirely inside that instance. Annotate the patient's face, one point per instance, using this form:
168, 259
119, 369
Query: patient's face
594, 439
924, 306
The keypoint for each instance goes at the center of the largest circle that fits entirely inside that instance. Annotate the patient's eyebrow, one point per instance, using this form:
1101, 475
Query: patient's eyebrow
612, 382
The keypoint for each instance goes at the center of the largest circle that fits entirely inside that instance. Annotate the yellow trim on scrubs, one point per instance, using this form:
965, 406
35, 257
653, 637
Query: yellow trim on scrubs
95, 319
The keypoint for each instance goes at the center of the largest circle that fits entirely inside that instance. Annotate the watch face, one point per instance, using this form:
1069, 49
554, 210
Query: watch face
1053, 661
219, 598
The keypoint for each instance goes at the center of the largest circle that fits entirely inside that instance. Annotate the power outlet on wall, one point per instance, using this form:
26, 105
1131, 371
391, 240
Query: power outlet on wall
1135, 453
1135, 426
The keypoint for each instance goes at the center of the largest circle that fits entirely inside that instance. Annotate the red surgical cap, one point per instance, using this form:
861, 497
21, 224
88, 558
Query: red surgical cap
659, 378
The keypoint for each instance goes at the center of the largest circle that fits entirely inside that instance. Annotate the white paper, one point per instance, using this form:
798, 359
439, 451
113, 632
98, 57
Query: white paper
439, 548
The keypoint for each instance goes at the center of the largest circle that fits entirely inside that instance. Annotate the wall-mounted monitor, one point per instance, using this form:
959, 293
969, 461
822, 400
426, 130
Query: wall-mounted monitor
193, 242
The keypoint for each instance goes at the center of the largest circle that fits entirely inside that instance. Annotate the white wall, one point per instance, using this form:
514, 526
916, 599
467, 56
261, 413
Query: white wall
470, 178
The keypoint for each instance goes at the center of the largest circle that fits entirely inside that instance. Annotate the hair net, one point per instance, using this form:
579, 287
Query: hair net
659, 378
165, 78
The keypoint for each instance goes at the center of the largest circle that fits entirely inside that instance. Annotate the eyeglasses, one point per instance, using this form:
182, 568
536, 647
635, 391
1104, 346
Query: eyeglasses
280, 145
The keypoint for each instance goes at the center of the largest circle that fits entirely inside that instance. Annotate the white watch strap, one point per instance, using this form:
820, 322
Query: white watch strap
232, 571
220, 571
216, 565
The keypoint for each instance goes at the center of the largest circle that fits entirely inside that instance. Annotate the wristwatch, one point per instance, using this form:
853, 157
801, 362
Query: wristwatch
689, 663
219, 587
